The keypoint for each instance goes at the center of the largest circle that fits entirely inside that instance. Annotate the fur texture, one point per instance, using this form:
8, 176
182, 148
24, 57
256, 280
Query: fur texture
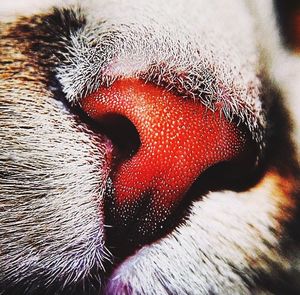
55, 166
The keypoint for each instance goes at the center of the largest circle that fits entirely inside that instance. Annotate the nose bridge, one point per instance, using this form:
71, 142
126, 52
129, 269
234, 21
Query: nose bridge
179, 139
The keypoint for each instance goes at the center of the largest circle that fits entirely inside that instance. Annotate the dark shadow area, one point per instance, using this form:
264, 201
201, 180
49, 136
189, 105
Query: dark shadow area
288, 15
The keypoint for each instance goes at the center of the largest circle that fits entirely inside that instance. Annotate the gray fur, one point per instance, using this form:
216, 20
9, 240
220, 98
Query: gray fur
199, 61
52, 181
54, 169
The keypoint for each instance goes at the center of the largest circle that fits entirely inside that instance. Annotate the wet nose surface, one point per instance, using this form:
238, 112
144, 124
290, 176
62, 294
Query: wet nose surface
179, 139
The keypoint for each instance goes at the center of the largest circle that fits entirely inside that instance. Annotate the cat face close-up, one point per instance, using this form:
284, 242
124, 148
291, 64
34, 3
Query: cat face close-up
148, 147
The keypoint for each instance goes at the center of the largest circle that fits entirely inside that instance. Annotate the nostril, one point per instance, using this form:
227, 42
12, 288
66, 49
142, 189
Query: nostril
122, 133
170, 141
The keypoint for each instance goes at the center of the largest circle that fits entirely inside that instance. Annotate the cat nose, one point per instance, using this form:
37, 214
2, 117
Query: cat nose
176, 139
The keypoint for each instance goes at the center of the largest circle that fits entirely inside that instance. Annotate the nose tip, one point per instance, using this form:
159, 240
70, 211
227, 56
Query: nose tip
178, 139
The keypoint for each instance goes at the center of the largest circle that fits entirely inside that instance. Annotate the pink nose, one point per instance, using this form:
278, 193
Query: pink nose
179, 139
